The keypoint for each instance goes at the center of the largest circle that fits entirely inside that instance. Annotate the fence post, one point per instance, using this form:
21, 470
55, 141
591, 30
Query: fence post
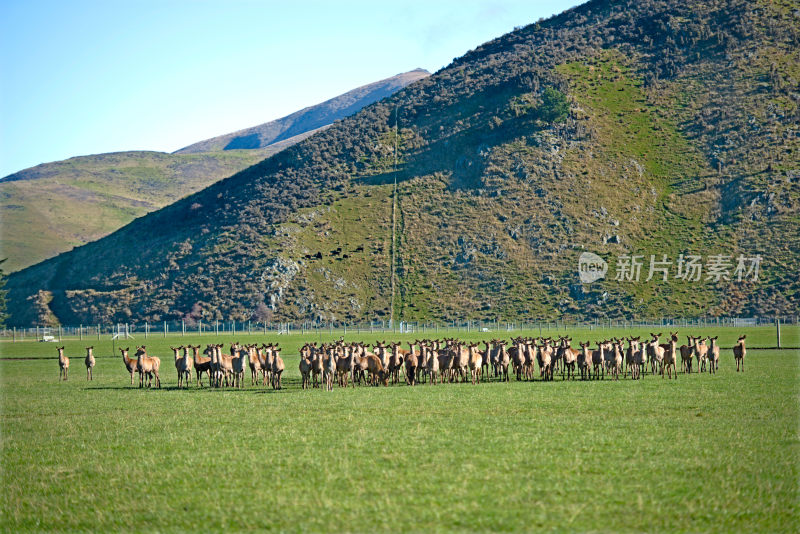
146, 329
80, 332
14, 339
165, 329
778, 326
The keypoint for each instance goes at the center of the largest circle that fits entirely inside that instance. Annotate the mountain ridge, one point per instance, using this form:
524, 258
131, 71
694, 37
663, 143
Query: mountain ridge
308, 118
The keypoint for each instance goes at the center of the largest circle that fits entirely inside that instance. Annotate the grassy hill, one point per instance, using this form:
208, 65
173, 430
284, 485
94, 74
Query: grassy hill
54, 207
618, 128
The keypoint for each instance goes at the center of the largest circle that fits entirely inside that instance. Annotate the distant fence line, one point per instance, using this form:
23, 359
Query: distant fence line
146, 330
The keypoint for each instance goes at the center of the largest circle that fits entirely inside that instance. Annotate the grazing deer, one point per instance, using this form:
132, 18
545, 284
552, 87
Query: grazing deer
89, 361
376, 371
63, 364
739, 351
147, 365
130, 363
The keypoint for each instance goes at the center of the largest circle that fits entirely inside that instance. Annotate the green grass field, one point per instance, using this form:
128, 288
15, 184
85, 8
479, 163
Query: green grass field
701, 454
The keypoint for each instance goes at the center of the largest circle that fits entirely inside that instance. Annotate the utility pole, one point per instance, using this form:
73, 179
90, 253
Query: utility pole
394, 221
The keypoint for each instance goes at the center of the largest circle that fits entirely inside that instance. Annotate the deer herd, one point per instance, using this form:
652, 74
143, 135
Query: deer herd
427, 361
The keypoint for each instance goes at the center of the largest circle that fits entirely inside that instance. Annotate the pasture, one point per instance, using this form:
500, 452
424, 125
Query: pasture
703, 453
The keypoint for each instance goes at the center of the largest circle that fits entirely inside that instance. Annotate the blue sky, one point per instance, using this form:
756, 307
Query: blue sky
86, 77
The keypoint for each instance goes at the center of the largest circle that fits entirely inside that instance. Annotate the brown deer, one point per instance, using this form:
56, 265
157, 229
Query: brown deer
89, 361
670, 356
713, 355
148, 365
130, 363
63, 364
739, 351
202, 364
687, 355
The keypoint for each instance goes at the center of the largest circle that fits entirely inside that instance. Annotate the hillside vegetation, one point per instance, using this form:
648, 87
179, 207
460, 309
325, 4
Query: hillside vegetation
636, 128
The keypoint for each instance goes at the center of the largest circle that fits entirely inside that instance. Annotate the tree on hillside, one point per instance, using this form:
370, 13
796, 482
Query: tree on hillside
554, 106
262, 313
3, 292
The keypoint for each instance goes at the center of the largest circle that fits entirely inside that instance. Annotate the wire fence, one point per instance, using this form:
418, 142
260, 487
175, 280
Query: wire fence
145, 330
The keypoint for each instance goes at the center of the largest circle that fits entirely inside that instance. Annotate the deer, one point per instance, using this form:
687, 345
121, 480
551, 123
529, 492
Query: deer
185, 369
655, 352
130, 363
598, 361
63, 364
617, 357
518, 359
546, 361
254, 363
344, 366
585, 361
687, 355
182, 365
475, 362
328, 360
701, 351
202, 364
360, 363
239, 357
569, 357
147, 365
305, 366
376, 370
713, 355
670, 356
739, 352
502, 360
433, 363
396, 361
411, 363
317, 355
89, 361
277, 368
